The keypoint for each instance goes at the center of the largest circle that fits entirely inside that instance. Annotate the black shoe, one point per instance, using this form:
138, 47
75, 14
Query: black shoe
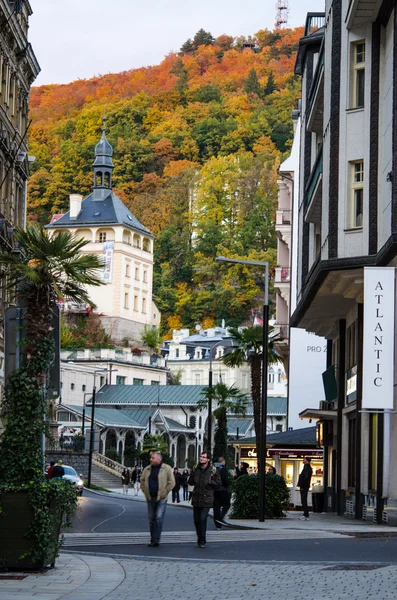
202, 544
154, 544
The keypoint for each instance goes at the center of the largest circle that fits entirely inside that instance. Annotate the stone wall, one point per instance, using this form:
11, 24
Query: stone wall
79, 461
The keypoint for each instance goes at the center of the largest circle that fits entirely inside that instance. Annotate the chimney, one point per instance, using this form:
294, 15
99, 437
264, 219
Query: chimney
75, 205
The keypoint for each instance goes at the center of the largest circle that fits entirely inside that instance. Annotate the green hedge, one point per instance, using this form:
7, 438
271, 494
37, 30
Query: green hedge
246, 497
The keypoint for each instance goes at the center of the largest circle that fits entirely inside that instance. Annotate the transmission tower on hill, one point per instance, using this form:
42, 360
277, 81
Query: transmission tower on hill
281, 14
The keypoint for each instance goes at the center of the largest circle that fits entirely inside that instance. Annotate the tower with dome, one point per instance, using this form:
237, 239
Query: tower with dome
125, 301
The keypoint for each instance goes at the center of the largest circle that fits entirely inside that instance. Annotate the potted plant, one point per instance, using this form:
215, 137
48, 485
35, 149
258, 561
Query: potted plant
31, 508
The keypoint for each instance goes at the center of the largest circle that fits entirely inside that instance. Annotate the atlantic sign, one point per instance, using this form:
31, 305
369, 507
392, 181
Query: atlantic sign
378, 352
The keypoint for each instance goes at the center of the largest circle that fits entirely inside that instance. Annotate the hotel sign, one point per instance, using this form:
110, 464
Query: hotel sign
378, 351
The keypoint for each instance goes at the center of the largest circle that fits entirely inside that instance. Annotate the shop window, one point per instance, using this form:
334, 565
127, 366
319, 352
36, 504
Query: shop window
287, 471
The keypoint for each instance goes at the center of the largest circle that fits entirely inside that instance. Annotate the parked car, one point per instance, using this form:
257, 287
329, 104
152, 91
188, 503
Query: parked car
77, 480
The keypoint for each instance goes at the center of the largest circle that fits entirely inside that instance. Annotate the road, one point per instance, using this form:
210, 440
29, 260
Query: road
108, 525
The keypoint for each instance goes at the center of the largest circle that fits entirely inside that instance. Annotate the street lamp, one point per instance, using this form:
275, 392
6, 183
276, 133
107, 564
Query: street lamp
265, 339
92, 423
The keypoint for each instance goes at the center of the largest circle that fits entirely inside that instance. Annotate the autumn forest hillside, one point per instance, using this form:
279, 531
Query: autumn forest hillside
197, 141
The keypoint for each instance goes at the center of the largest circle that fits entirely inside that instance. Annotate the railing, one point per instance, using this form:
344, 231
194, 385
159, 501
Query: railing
314, 21
282, 275
113, 355
110, 464
282, 330
77, 445
283, 217
314, 177
316, 77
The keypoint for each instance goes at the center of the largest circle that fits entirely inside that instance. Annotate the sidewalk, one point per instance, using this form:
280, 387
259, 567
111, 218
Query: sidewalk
85, 577
330, 522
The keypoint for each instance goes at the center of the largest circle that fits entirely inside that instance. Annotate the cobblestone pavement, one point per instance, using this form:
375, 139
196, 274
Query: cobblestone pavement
86, 577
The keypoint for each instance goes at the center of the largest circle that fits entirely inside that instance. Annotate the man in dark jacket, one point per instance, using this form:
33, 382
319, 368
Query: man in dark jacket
304, 485
221, 495
206, 480
176, 489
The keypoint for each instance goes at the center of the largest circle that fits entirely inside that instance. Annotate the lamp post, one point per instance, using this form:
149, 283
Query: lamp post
92, 424
265, 340
83, 419
209, 429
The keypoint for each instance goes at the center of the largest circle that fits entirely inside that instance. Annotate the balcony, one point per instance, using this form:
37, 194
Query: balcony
283, 217
315, 108
314, 21
360, 13
282, 275
313, 191
282, 330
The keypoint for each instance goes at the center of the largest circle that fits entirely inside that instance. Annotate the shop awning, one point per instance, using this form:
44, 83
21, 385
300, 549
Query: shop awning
317, 414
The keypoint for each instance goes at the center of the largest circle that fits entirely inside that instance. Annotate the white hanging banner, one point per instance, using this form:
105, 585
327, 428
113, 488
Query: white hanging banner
378, 351
108, 262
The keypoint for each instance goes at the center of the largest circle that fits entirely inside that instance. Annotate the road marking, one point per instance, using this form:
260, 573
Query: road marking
110, 518
183, 537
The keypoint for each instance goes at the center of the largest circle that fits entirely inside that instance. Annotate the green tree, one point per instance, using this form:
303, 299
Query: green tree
202, 38
224, 399
251, 85
270, 86
187, 47
45, 270
248, 348
155, 443
181, 85
151, 338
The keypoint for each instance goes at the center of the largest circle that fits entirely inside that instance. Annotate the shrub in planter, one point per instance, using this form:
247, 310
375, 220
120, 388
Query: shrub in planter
43, 270
246, 497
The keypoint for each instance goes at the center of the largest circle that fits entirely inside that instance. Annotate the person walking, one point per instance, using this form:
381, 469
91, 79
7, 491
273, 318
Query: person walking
136, 478
304, 485
206, 480
221, 495
125, 480
178, 483
157, 480
50, 469
58, 470
185, 487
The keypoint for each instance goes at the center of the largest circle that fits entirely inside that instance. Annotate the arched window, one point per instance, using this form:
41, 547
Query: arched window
192, 422
107, 179
200, 422
146, 244
98, 179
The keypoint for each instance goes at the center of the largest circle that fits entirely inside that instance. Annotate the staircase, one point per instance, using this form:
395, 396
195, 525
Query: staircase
103, 478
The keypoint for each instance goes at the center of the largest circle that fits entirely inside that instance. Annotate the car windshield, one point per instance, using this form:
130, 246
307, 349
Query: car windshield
69, 471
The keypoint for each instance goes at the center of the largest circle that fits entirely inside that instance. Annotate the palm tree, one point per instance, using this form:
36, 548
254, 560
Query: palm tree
43, 271
248, 344
226, 399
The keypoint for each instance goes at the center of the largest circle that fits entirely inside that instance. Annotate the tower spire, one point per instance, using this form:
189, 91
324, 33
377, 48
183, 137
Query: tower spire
282, 8
103, 165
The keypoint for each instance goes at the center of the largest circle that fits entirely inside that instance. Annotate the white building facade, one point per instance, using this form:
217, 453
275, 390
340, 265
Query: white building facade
125, 301
347, 228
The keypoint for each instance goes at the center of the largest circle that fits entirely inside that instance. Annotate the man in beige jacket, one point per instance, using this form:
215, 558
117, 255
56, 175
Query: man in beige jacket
157, 480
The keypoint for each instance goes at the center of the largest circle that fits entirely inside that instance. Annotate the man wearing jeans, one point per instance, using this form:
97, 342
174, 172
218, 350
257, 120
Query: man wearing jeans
304, 485
157, 480
206, 480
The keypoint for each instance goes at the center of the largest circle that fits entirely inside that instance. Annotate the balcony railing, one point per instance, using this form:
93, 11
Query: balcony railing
283, 217
314, 21
282, 330
282, 275
314, 177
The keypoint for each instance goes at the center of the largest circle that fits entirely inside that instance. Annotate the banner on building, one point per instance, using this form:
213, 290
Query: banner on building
108, 262
378, 351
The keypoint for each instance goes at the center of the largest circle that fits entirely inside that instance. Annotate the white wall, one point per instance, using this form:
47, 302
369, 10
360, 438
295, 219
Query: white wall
307, 362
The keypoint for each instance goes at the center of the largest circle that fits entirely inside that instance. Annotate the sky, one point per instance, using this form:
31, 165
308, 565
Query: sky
80, 39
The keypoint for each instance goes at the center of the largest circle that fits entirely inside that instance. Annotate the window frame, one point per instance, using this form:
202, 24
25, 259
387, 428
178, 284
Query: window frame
356, 186
358, 72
